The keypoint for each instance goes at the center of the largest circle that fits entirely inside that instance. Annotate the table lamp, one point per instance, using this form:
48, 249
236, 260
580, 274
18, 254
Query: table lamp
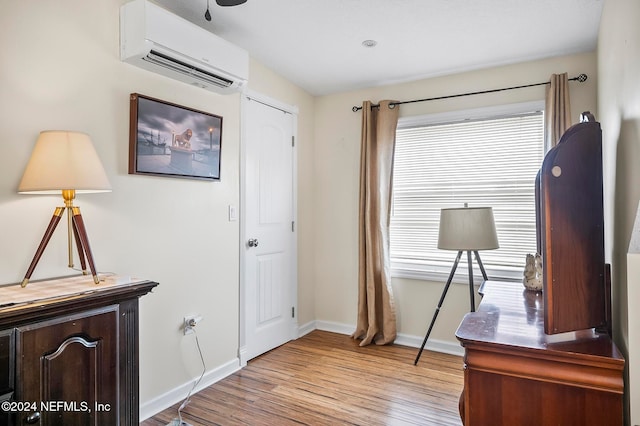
64, 162
464, 229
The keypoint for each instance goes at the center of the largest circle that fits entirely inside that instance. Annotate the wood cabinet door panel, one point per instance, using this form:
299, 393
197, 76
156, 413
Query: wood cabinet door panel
69, 367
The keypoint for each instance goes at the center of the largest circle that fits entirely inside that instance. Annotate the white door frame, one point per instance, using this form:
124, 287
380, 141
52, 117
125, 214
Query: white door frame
293, 110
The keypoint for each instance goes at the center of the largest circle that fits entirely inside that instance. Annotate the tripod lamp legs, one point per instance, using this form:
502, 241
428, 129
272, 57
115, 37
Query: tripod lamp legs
446, 288
435, 315
80, 235
57, 215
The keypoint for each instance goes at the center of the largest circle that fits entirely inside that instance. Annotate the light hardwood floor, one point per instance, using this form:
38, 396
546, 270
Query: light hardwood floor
327, 379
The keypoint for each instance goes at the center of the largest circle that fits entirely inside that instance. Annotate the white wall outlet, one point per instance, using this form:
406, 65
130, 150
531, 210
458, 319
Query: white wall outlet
190, 322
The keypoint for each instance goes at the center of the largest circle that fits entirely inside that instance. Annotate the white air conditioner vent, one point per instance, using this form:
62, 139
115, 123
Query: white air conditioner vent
159, 41
161, 60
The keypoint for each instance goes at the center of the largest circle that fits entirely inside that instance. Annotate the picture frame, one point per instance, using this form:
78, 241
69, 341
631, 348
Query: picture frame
171, 140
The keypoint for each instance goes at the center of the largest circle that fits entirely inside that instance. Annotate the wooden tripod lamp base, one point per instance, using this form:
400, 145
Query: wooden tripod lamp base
76, 225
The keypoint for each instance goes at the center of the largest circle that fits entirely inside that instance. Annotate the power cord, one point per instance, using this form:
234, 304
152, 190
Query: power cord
179, 421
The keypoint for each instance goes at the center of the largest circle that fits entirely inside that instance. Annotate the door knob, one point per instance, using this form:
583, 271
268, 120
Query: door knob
253, 242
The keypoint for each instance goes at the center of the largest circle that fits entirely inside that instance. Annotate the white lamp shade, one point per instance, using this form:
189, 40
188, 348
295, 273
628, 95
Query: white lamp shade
64, 160
468, 228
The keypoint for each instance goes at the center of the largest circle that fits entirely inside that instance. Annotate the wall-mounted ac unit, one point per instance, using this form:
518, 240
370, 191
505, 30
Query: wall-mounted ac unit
159, 41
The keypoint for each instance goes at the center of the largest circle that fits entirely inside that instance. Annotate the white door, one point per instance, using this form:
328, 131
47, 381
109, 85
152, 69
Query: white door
268, 246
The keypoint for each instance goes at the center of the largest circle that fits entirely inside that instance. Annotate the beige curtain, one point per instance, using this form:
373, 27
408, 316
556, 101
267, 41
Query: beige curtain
557, 110
376, 310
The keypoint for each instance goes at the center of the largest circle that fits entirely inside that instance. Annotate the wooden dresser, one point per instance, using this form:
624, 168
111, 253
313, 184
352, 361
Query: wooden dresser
69, 351
515, 374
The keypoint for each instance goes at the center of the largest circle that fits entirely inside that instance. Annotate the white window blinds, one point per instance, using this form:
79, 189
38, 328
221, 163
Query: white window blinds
488, 162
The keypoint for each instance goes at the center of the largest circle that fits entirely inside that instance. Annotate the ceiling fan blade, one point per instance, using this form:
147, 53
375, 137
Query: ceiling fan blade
230, 2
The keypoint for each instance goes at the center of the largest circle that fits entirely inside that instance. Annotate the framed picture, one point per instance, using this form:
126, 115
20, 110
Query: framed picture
171, 140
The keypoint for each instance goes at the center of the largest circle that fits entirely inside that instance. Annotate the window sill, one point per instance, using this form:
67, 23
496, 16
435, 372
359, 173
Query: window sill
437, 274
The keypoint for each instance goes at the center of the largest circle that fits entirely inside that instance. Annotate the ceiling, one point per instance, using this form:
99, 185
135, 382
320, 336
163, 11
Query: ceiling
317, 44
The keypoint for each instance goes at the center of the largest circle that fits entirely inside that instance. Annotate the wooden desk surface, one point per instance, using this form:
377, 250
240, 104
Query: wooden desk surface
48, 298
512, 316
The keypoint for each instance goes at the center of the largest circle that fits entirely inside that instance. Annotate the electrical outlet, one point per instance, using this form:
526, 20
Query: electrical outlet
190, 322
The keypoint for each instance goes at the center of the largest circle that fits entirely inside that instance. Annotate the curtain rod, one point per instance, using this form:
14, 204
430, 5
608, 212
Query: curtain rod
581, 78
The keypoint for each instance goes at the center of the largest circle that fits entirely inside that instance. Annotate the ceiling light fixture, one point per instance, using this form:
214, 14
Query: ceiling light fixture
369, 43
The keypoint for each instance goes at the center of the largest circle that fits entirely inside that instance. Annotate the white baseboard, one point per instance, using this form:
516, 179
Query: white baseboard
443, 346
179, 393
307, 328
335, 327
162, 402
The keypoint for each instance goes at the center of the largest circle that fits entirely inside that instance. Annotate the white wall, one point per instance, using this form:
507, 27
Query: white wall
337, 166
619, 106
61, 70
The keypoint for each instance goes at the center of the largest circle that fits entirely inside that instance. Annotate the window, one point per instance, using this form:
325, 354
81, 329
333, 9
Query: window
487, 157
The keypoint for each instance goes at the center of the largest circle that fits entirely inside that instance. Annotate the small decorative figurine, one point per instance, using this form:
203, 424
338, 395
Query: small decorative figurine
533, 273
